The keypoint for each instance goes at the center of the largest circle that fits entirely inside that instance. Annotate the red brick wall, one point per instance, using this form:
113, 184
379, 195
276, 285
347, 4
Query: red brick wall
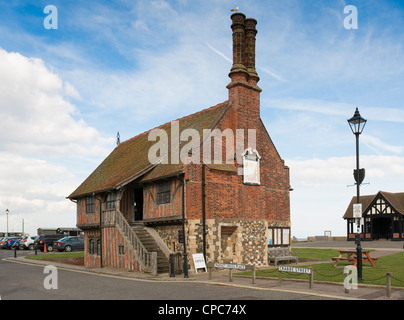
226, 195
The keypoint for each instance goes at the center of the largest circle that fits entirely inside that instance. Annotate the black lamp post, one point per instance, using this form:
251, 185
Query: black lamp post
7, 211
357, 123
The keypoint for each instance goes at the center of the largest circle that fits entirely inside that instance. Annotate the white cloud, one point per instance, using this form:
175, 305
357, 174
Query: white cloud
37, 117
42, 137
379, 146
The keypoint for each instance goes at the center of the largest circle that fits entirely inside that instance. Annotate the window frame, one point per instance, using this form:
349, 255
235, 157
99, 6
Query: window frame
110, 203
163, 193
90, 204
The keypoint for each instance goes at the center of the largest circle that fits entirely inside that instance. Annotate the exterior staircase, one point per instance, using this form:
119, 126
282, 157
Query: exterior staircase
151, 246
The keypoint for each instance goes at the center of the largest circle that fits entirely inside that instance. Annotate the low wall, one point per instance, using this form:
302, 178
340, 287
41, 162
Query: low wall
325, 238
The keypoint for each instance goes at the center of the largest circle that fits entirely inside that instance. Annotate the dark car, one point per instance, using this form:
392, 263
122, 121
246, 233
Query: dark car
69, 243
8, 242
48, 240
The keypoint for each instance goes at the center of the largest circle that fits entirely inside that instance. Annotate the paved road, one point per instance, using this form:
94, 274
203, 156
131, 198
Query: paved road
23, 281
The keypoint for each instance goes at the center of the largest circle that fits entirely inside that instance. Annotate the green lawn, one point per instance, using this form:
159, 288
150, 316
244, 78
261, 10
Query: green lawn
327, 272
56, 255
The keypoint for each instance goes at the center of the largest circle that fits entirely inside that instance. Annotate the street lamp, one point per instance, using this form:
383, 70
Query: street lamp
357, 123
7, 211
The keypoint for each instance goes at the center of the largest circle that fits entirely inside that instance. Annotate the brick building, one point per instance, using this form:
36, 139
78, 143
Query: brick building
228, 189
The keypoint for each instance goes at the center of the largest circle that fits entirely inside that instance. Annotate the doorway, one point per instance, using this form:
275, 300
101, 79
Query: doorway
138, 204
382, 228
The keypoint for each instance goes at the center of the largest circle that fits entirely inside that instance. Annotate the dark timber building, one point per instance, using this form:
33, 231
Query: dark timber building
383, 217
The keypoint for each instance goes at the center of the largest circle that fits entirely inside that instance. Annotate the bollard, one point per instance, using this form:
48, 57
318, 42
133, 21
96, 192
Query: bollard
230, 275
311, 279
172, 273
388, 284
36, 249
15, 252
253, 275
279, 278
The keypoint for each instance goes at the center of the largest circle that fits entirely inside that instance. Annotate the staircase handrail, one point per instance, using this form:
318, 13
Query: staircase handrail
147, 260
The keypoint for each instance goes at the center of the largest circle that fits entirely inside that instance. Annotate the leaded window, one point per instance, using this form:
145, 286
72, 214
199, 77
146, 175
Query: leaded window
163, 193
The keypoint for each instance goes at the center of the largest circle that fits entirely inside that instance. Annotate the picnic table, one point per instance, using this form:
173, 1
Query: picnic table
350, 255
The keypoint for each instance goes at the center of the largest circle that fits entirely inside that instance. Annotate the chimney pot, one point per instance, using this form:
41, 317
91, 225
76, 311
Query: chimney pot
238, 28
249, 56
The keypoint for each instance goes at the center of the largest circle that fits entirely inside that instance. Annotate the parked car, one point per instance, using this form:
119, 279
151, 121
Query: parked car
2, 240
8, 242
48, 240
27, 242
69, 243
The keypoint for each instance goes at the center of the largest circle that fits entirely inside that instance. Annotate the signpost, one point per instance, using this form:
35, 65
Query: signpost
231, 267
308, 271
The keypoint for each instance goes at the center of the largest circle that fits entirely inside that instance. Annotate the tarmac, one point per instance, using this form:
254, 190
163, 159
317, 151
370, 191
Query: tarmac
320, 290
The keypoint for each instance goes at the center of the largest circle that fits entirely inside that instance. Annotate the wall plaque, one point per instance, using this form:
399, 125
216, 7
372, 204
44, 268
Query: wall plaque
251, 167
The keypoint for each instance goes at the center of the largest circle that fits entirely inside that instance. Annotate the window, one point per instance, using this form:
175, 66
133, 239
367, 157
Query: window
163, 193
278, 236
110, 201
94, 246
91, 249
90, 204
121, 248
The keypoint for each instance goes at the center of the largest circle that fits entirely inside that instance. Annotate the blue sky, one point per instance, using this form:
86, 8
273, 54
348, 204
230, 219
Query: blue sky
129, 66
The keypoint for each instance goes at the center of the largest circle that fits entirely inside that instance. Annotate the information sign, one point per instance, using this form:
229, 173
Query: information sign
199, 262
357, 210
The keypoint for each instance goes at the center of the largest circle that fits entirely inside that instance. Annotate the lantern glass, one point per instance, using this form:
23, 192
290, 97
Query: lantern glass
357, 123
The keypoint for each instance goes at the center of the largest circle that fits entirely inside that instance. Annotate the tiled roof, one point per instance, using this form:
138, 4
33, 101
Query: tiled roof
396, 200
129, 160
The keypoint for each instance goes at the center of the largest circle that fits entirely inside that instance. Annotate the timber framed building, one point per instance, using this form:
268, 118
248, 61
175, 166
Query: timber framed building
382, 214
132, 211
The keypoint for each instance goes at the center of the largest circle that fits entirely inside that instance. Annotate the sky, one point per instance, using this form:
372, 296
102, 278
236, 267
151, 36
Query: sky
131, 65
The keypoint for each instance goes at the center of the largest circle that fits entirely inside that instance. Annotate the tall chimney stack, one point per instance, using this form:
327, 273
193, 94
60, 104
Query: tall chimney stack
244, 94
238, 70
244, 33
250, 33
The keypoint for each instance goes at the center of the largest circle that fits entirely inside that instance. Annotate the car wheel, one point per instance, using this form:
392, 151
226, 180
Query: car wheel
49, 248
68, 248
31, 247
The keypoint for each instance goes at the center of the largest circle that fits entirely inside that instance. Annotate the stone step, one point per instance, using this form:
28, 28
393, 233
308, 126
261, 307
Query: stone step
151, 246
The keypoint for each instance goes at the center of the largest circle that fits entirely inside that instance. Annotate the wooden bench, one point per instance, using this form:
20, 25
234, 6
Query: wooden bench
281, 254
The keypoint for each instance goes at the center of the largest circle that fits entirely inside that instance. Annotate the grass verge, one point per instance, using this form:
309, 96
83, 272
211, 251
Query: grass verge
56, 255
326, 271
